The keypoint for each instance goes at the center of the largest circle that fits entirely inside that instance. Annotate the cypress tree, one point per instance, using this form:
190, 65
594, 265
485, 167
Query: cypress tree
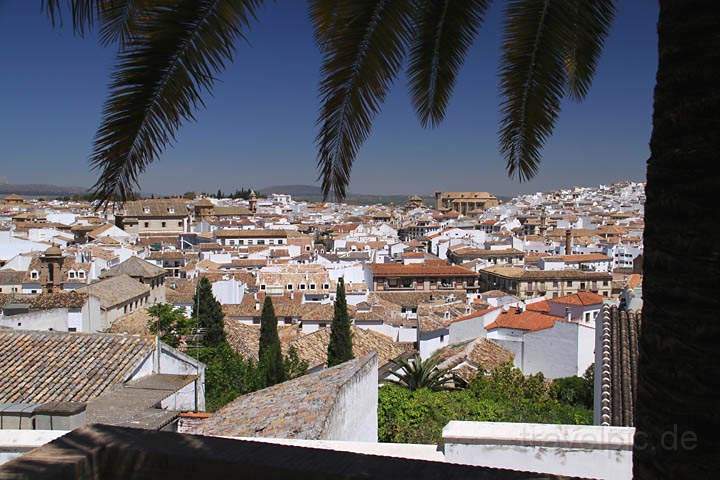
340, 346
270, 358
210, 315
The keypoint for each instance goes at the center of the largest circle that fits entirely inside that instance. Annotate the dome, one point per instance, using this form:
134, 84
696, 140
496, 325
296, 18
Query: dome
53, 252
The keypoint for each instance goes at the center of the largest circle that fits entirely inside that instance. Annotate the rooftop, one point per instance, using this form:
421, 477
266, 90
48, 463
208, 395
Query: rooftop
296, 408
39, 367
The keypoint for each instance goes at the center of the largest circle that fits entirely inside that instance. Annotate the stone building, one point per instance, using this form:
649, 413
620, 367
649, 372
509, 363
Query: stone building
465, 202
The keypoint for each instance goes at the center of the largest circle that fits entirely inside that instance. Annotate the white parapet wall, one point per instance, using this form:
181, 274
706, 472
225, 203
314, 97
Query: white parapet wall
573, 450
14, 443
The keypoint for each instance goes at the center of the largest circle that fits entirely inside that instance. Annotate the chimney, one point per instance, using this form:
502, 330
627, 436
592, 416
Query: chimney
568, 242
257, 305
568, 315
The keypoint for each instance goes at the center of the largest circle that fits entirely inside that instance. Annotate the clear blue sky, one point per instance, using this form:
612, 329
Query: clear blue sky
259, 127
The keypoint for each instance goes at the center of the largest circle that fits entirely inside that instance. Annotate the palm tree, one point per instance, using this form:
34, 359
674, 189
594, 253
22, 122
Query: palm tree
169, 53
416, 373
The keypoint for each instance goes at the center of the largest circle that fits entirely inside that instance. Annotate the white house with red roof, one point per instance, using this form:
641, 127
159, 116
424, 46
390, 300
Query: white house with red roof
555, 336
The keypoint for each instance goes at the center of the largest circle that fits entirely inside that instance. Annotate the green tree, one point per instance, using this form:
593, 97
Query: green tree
227, 375
168, 322
294, 365
340, 344
167, 57
270, 353
416, 373
503, 395
208, 313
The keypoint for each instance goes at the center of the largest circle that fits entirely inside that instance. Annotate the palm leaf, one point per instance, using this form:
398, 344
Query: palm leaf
550, 48
120, 17
117, 18
591, 25
83, 13
157, 84
323, 16
362, 54
444, 31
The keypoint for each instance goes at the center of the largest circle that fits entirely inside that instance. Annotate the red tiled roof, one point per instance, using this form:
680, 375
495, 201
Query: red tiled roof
525, 320
542, 306
580, 298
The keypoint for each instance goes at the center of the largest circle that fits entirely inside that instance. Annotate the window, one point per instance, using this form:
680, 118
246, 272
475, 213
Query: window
147, 224
179, 224
261, 242
81, 273
34, 274
164, 224
289, 286
442, 338
605, 283
171, 210
72, 329
322, 325
312, 286
241, 242
271, 242
71, 274
326, 286
568, 283
302, 286
262, 287
280, 241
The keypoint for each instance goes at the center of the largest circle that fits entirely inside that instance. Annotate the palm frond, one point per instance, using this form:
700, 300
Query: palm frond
157, 84
116, 18
550, 49
444, 31
323, 16
415, 373
362, 55
119, 19
532, 79
592, 21
83, 13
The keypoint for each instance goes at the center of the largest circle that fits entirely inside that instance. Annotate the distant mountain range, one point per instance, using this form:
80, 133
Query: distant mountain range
40, 189
292, 190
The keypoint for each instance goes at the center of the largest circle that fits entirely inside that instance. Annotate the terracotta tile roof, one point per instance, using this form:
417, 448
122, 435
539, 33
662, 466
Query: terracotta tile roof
479, 353
11, 277
47, 301
297, 408
114, 291
156, 208
135, 267
313, 347
135, 323
245, 339
38, 367
525, 320
542, 306
634, 280
580, 298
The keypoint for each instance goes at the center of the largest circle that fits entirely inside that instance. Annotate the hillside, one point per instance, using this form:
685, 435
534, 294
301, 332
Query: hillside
39, 190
